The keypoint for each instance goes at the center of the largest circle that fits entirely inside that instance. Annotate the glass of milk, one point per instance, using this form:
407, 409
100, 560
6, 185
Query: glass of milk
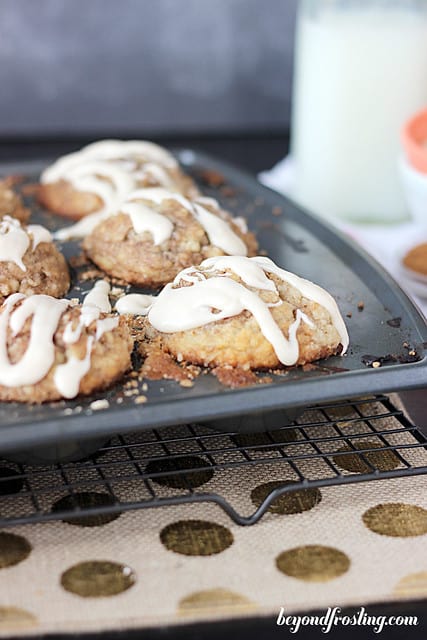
360, 72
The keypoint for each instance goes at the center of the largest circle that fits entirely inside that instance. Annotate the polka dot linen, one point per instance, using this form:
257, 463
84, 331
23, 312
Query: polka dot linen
314, 548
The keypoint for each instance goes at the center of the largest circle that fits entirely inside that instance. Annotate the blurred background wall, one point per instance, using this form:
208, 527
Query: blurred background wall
160, 66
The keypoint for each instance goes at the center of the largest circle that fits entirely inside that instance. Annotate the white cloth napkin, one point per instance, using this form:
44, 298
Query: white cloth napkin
387, 243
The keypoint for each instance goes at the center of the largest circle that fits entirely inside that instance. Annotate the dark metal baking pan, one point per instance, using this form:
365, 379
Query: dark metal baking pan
296, 241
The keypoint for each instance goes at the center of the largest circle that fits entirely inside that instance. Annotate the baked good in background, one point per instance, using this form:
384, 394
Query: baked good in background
51, 349
99, 176
156, 233
10, 202
246, 312
30, 263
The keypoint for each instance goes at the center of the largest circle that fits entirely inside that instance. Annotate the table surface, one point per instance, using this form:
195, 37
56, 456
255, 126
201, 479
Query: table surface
253, 153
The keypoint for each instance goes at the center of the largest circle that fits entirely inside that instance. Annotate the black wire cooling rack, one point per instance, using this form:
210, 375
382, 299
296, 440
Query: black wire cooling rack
334, 444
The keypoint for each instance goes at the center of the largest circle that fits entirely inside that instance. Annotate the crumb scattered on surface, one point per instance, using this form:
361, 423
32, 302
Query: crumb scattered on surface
117, 292
349, 315
159, 365
360, 305
228, 192
141, 399
92, 273
186, 383
211, 178
309, 366
411, 356
235, 377
99, 404
377, 361
130, 392
395, 322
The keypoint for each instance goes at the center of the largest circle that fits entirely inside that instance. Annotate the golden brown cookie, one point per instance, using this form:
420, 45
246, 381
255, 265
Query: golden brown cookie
101, 174
29, 261
246, 312
159, 233
76, 350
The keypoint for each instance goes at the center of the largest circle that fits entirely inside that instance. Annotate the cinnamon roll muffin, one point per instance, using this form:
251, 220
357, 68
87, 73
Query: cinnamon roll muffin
52, 350
98, 177
246, 312
29, 261
157, 233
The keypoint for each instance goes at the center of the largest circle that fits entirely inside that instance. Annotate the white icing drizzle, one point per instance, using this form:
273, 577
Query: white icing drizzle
220, 233
111, 151
137, 304
104, 325
241, 224
109, 169
98, 296
39, 356
95, 302
40, 234
67, 376
218, 297
157, 172
144, 218
107, 180
15, 241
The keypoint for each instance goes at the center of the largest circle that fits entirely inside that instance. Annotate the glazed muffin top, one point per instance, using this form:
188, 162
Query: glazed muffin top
50, 348
29, 261
98, 177
247, 311
157, 233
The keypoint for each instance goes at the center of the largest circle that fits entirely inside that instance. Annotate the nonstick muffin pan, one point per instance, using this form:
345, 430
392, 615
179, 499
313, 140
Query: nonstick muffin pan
387, 334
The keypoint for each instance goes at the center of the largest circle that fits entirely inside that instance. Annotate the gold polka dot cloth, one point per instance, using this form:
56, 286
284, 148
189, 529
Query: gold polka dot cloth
314, 548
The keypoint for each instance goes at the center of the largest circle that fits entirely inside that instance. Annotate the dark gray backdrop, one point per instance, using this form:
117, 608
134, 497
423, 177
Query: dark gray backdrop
77, 66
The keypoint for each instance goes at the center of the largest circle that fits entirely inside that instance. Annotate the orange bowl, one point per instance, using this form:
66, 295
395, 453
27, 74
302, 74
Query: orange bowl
414, 138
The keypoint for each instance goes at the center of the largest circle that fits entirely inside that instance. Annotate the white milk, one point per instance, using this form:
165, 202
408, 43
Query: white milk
359, 74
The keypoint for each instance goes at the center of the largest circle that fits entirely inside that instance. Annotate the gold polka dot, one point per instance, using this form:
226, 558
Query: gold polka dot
85, 500
396, 519
212, 601
412, 586
15, 617
313, 563
290, 502
196, 537
192, 479
13, 549
381, 460
281, 436
97, 578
